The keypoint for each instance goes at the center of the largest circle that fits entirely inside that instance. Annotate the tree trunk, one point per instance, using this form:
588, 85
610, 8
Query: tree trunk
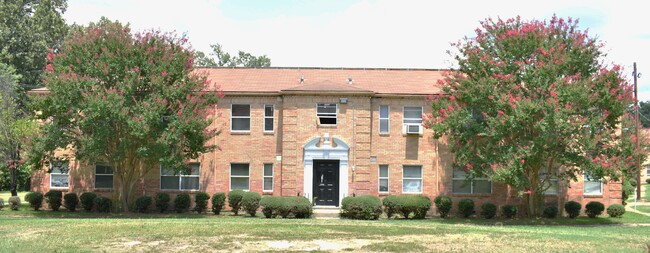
534, 203
14, 158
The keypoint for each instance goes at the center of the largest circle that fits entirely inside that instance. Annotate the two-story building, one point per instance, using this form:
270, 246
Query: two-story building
324, 133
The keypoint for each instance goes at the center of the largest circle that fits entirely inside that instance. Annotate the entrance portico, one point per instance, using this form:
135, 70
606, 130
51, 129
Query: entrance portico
326, 170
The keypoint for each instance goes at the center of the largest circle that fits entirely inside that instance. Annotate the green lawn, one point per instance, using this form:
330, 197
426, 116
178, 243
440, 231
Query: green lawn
647, 192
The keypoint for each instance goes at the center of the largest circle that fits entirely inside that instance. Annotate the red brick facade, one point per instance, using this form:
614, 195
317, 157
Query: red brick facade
295, 124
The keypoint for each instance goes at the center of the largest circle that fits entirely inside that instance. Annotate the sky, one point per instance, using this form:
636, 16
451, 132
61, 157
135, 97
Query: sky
369, 33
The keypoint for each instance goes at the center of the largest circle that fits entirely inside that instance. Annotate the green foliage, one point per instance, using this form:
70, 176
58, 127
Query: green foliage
226, 60
572, 208
2, 203
533, 98
272, 206
35, 200
28, 30
644, 111
218, 201
615, 210
250, 202
143, 203
53, 198
14, 203
131, 100
550, 212
87, 200
594, 208
234, 200
509, 211
647, 180
300, 207
443, 204
488, 210
102, 204
70, 201
162, 201
182, 202
201, 201
466, 208
366, 207
407, 204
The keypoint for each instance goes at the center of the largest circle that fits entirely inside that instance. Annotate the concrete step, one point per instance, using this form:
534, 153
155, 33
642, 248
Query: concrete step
327, 212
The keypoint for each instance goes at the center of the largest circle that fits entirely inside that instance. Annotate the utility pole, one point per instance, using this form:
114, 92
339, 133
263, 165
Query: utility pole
636, 127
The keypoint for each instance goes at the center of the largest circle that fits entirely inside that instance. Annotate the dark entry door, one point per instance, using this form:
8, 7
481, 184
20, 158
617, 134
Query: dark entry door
326, 182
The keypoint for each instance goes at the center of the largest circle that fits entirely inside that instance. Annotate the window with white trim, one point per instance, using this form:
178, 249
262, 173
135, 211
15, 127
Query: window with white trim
183, 180
592, 186
240, 120
103, 176
326, 113
59, 174
383, 178
477, 185
551, 183
268, 118
268, 177
384, 119
239, 176
412, 179
412, 115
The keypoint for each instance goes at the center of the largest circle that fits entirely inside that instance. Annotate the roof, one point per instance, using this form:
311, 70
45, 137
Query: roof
275, 80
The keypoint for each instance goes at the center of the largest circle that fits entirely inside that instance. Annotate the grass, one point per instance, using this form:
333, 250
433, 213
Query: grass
647, 192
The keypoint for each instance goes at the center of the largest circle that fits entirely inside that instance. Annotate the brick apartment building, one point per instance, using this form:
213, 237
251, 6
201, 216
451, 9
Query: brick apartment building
324, 134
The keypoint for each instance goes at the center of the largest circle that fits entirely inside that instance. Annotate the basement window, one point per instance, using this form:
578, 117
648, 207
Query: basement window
326, 113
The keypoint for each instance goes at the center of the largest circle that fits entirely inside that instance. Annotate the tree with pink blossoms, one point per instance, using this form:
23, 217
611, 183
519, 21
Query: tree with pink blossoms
132, 100
532, 101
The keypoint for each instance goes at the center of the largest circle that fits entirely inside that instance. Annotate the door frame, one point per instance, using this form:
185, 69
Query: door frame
325, 151
338, 180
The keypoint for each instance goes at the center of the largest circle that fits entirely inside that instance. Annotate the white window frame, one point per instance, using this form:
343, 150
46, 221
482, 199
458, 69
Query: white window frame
264, 177
247, 176
471, 184
272, 117
404, 118
96, 174
387, 178
59, 174
421, 178
180, 179
387, 119
584, 188
327, 115
240, 117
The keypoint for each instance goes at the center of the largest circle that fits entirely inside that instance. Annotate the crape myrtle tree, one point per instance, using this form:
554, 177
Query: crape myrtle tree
130, 100
532, 101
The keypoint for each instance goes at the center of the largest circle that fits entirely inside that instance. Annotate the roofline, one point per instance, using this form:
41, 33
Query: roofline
326, 68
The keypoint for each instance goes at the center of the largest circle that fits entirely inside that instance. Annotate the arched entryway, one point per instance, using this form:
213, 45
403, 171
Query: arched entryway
326, 170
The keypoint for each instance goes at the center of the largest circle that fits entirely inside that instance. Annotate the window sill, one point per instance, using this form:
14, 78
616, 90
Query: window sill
384, 193
326, 126
267, 193
269, 133
411, 192
593, 195
60, 188
384, 134
240, 132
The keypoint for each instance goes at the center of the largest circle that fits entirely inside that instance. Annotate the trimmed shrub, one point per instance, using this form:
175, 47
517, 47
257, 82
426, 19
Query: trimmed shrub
2, 203
361, 207
405, 205
615, 210
594, 208
234, 200
87, 200
550, 212
102, 204
647, 180
70, 201
572, 208
509, 211
53, 198
143, 203
488, 210
300, 207
14, 203
201, 202
182, 202
35, 200
272, 205
466, 208
250, 202
218, 201
443, 204
162, 201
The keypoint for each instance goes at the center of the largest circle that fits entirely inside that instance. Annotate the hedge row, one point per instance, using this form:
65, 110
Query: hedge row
277, 206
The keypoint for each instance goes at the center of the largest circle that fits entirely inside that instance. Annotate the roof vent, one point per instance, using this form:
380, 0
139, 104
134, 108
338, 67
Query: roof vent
349, 80
302, 79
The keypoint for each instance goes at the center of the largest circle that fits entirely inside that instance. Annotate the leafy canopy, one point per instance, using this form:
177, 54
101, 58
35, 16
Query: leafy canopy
532, 100
224, 59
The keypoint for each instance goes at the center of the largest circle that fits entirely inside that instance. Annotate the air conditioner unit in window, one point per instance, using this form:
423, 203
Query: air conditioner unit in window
412, 129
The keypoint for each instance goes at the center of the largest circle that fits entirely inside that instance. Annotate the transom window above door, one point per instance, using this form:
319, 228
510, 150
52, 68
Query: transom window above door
326, 113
